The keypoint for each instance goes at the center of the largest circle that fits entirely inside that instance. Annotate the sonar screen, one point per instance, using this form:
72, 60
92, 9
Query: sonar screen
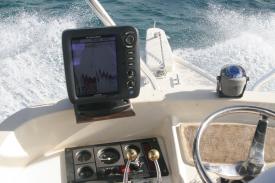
94, 63
102, 69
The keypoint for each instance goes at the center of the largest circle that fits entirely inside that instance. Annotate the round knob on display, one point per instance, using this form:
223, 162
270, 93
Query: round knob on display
131, 73
130, 39
132, 154
131, 84
153, 155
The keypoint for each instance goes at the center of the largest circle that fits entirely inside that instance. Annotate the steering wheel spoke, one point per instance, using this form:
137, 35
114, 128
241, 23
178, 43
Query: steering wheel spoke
255, 161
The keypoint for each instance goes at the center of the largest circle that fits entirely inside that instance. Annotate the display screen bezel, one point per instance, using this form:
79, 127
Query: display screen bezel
122, 65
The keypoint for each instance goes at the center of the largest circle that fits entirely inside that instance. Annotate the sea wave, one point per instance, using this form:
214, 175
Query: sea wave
241, 38
31, 59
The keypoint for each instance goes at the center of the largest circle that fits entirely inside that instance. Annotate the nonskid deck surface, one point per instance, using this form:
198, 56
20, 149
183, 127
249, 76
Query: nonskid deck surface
224, 143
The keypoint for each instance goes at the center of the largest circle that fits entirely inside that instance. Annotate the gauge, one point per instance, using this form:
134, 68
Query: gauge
85, 172
108, 155
83, 156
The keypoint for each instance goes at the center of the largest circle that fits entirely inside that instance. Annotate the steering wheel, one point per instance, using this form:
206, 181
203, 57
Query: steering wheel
243, 171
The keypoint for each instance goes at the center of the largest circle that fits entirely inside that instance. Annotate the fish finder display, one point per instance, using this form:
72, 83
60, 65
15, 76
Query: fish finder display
95, 65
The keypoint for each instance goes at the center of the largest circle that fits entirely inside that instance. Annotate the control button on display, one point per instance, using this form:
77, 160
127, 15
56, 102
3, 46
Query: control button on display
130, 84
131, 73
131, 64
130, 52
131, 58
129, 46
130, 39
131, 92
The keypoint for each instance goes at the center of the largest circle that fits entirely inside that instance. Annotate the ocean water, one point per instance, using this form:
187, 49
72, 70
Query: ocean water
206, 33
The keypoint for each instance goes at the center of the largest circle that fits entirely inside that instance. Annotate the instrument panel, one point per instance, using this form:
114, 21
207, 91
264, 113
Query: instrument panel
106, 162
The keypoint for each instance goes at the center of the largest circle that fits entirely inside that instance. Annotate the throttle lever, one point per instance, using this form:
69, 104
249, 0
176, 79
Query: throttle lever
131, 156
154, 155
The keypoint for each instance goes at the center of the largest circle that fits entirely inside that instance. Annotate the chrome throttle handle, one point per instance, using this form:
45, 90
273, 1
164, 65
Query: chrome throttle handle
154, 155
131, 156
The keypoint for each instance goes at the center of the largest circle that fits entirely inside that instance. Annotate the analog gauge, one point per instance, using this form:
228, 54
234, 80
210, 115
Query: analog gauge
108, 156
85, 172
83, 156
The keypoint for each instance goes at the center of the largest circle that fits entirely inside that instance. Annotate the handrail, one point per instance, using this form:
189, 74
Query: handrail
102, 14
161, 48
263, 80
197, 70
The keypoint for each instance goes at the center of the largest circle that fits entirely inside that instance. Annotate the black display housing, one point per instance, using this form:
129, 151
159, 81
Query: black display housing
127, 62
